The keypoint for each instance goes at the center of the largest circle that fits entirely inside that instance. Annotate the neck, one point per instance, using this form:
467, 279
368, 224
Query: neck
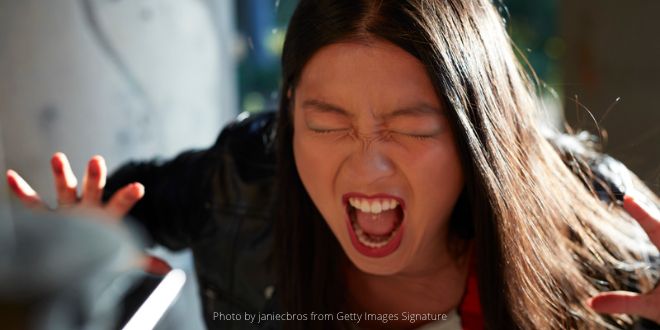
436, 289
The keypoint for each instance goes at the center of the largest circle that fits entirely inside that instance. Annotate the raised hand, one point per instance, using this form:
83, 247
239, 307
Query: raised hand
646, 305
89, 201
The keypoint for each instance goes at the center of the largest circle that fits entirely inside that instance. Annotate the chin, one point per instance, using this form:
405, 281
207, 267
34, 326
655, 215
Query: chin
383, 266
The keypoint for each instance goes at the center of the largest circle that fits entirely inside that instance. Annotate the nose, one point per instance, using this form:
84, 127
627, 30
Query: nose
368, 163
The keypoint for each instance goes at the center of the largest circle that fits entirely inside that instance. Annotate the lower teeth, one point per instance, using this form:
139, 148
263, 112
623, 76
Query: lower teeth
364, 239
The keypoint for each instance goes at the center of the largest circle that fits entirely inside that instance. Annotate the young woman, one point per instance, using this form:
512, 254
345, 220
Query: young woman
413, 179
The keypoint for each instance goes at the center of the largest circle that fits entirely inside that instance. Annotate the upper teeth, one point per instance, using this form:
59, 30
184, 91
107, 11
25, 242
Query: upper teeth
374, 206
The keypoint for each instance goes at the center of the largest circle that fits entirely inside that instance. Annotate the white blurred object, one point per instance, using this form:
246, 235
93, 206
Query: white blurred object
71, 271
158, 302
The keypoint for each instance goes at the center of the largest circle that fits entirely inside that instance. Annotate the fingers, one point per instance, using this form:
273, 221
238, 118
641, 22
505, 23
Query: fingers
65, 180
124, 199
155, 265
646, 215
94, 181
92, 190
622, 302
23, 191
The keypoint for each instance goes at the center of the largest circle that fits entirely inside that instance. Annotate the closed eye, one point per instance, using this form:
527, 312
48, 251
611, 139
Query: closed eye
328, 131
418, 136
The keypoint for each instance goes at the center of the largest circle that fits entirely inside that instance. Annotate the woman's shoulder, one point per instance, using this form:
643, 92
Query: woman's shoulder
249, 141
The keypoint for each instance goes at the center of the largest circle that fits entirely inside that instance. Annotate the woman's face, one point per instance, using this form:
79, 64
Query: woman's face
376, 153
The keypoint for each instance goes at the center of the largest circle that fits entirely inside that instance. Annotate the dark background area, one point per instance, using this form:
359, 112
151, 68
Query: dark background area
596, 62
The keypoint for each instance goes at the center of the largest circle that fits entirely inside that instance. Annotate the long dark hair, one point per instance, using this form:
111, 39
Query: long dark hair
534, 223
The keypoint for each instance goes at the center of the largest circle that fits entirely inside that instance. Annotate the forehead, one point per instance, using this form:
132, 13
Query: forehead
377, 70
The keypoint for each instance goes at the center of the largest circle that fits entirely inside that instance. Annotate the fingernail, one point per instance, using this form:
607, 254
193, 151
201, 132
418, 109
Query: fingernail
138, 189
93, 169
57, 165
644, 203
589, 302
157, 266
651, 209
11, 181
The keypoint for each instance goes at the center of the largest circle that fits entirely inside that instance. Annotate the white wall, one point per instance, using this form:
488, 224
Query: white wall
164, 83
149, 78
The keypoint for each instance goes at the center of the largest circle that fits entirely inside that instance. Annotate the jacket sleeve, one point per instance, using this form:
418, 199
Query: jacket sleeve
176, 193
184, 195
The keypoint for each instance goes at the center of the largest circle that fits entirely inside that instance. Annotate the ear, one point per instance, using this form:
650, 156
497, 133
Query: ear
289, 93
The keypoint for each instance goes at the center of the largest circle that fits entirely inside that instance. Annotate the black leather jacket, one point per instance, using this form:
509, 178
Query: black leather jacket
219, 202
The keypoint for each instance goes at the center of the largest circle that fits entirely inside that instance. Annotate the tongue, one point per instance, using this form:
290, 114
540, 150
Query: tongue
377, 224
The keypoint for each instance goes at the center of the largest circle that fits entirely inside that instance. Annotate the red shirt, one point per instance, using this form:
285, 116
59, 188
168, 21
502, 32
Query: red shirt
470, 308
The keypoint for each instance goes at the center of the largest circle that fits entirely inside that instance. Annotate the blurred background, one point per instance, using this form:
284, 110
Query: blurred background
132, 79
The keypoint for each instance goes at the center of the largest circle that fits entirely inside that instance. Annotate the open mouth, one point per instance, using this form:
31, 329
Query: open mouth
375, 224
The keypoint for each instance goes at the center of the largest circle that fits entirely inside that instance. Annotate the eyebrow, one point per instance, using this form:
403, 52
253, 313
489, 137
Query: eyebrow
417, 110
421, 109
324, 107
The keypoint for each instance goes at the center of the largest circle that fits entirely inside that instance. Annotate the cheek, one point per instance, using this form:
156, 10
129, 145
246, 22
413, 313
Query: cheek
437, 180
315, 169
